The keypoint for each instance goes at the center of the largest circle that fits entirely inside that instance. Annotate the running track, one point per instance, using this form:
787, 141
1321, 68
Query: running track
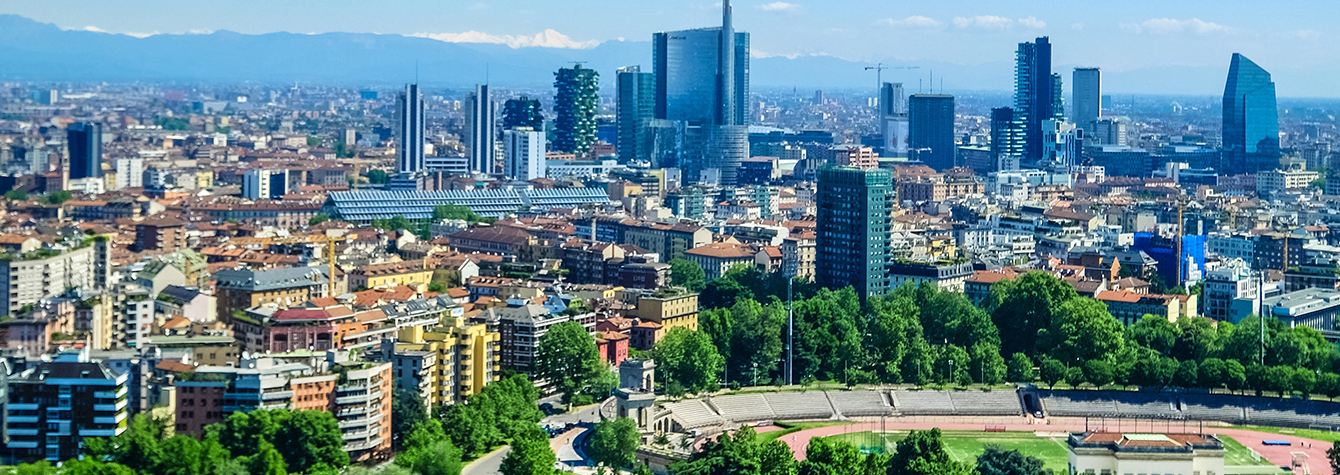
1315, 449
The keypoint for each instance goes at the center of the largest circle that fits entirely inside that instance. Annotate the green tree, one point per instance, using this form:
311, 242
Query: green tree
756, 344
1333, 455
41, 467
1023, 306
687, 274
923, 453
428, 452
741, 453
567, 355
951, 365
897, 348
267, 461
16, 195
1329, 384
462, 212
313, 140
407, 411
1052, 372
529, 456
1187, 375
318, 219
986, 366
829, 334
1235, 375
689, 358
614, 442
1155, 333
378, 177
1212, 373
307, 438
949, 317
823, 457
1304, 381
1099, 373
472, 429
89, 466
1020, 369
723, 292
58, 197
1081, 329
997, 461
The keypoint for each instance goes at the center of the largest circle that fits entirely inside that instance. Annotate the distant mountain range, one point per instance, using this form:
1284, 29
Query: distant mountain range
35, 51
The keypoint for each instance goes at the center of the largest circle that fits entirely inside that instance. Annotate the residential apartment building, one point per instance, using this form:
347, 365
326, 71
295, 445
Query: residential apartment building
43, 273
53, 406
670, 307
238, 289
415, 274
445, 363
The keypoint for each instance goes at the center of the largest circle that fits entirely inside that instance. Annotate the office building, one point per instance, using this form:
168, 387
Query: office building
480, 133
1087, 88
702, 75
931, 119
361, 207
893, 125
55, 405
1034, 91
636, 107
1062, 143
855, 209
1108, 131
262, 184
129, 173
1251, 119
523, 154
1233, 280
85, 144
1007, 142
702, 80
576, 103
523, 112
409, 130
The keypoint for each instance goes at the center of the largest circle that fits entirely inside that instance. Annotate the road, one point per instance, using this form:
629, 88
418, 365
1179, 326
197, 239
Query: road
562, 445
488, 464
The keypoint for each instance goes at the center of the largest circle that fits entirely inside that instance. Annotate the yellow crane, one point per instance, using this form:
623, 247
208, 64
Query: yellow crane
329, 242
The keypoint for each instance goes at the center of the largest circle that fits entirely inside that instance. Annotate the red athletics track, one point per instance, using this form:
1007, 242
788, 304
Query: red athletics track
1279, 455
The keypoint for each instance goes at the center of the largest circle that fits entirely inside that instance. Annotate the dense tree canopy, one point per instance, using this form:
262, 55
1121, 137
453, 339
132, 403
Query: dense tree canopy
689, 358
567, 356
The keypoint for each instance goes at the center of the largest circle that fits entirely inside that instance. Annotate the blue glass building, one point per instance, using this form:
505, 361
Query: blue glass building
1163, 249
1251, 119
85, 143
932, 127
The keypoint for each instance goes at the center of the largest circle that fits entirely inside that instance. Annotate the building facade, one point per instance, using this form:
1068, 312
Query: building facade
855, 209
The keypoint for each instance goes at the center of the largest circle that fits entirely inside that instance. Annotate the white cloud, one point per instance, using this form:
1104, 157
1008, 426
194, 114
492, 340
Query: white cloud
94, 29
1309, 34
992, 22
545, 39
983, 21
779, 7
914, 20
1164, 26
1032, 22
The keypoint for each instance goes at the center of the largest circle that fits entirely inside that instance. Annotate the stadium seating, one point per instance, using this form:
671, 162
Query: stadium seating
860, 403
983, 403
923, 402
1078, 403
693, 414
1209, 407
743, 407
1146, 405
807, 405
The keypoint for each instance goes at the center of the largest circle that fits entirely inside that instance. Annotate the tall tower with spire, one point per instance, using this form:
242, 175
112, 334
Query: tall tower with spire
726, 74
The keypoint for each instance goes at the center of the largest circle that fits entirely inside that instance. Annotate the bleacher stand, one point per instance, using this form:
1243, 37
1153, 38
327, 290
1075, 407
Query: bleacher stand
923, 402
860, 403
693, 414
806, 405
743, 407
986, 403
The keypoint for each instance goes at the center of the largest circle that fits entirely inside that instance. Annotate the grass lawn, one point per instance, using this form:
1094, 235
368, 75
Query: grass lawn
965, 446
791, 427
1236, 454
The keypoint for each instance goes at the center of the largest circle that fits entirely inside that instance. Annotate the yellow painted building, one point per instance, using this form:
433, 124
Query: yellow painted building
446, 363
412, 274
671, 307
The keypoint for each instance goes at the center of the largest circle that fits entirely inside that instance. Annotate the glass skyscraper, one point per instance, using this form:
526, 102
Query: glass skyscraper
932, 127
636, 108
409, 152
481, 130
85, 144
1086, 107
1251, 119
1006, 143
1034, 91
855, 213
702, 79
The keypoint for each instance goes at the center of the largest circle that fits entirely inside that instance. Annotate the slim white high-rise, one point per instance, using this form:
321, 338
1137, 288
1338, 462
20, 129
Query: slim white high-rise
129, 173
481, 130
893, 119
410, 133
1088, 96
523, 153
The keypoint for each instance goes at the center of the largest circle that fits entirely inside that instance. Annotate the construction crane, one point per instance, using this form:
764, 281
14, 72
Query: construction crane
879, 76
329, 242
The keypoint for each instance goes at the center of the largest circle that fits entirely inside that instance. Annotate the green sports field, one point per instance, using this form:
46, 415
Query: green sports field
965, 446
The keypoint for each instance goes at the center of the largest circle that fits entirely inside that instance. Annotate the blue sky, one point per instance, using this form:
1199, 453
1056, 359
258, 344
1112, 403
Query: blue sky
1295, 37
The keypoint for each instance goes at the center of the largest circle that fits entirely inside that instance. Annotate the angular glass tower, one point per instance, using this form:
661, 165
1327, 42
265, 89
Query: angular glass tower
852, 227
1251, 119
636, 108
409, 131
1034, 88
932, 127
85, 143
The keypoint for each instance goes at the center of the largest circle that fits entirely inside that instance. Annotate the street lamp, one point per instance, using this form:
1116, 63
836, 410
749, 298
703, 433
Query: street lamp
950, 377
756, 374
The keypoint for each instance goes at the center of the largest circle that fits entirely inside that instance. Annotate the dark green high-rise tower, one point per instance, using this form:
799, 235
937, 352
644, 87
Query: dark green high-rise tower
575, 106
854, 221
